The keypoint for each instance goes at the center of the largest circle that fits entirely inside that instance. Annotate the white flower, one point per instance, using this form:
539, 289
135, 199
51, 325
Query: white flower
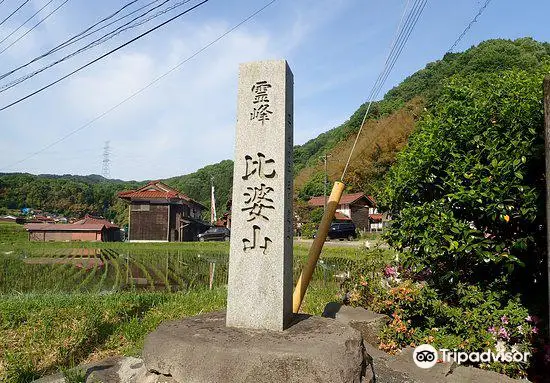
500, 346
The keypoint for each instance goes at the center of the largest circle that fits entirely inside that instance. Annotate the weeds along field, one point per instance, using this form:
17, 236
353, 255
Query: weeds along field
63, 304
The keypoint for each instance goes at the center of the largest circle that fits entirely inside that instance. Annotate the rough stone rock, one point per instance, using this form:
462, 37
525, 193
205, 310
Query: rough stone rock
114, 370
367, 322
110, 370
202, 349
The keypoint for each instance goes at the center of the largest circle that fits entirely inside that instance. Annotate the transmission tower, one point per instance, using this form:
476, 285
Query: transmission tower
106, 172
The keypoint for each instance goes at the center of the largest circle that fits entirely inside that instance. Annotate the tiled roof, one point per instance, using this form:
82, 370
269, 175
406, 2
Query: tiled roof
89, 220
375, 217
88, 223
346, 199
63, 227
149, 194
156, 190
341, 216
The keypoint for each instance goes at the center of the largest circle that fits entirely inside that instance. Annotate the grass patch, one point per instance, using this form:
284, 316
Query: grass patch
42, 333
12, 233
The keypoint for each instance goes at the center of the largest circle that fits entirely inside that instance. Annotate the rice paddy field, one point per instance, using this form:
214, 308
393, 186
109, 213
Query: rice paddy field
62, 304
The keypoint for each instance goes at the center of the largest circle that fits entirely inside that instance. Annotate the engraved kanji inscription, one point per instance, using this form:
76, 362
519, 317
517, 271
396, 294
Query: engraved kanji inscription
260, 109
260, 166
251, 244
257, 202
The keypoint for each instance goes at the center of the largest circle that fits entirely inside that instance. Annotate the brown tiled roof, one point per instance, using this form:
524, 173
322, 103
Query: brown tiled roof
375, 217
159, 191
63, 227
346, 199
90, 220
88, 223
341, 216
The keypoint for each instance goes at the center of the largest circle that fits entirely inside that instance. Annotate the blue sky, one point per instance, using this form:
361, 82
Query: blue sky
335, 48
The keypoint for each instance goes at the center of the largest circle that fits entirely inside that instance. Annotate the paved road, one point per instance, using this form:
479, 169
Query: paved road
338, 243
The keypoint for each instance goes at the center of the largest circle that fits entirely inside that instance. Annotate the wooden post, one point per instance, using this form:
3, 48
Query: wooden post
546, 87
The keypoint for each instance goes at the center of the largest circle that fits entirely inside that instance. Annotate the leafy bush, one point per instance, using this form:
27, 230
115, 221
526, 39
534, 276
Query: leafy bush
466, 195
478, 321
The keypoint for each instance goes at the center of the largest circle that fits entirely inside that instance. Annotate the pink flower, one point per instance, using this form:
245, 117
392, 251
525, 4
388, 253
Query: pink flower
492, 330
535, 330
503, 333
504, 319
390, 271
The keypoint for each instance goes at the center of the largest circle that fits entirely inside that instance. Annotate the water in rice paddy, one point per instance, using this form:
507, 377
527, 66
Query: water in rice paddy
107, 270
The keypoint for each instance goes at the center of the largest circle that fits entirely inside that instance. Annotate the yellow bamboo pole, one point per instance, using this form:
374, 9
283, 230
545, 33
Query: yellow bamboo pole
317, 246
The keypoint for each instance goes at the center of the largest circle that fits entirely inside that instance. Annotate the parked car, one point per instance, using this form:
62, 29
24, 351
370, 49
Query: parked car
342, 230
215, 234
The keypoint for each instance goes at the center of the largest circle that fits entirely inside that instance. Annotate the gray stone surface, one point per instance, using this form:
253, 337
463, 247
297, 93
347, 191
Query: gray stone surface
202, 349
367, 322
260, 263
113, 370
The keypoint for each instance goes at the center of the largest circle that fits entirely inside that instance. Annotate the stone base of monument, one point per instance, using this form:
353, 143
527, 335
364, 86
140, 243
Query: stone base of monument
202, 349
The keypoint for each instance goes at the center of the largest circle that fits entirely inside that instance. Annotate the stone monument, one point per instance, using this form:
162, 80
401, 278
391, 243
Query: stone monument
260, 261
247, 344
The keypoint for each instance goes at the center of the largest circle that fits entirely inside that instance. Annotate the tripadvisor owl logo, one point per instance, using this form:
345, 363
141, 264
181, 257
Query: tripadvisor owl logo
425, 356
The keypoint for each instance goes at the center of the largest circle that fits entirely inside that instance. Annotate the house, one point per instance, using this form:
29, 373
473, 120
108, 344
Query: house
356, 207
159, 213
87, 229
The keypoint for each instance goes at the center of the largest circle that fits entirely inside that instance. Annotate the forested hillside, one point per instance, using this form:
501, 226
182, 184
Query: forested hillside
390, 122
75, 196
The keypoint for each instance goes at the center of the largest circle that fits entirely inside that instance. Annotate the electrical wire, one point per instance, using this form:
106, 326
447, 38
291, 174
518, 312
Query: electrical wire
97, 42
65, 42
403, 33
143, 89
14, 12
34, 26
474, 20
83, 36
25, 22
102, 56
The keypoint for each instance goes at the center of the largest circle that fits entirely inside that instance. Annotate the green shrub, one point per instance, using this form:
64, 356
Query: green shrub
466, 194
478, 321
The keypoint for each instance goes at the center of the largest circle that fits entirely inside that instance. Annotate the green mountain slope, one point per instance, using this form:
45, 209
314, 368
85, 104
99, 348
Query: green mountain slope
425, 85
490, 55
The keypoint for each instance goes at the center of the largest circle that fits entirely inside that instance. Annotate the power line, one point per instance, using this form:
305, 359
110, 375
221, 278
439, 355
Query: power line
25, 22
83, 36
474, 20
65, 42
143, 89
102, 56
403, 33
96, 42
34, 26
14, 12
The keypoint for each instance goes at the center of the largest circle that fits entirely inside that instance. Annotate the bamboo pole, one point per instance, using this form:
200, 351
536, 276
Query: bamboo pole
317, 246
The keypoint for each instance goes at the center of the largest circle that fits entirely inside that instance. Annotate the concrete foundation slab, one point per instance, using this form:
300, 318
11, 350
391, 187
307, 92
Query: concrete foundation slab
202, 349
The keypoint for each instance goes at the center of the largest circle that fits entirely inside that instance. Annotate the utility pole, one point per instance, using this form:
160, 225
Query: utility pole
546, 87
325, 157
